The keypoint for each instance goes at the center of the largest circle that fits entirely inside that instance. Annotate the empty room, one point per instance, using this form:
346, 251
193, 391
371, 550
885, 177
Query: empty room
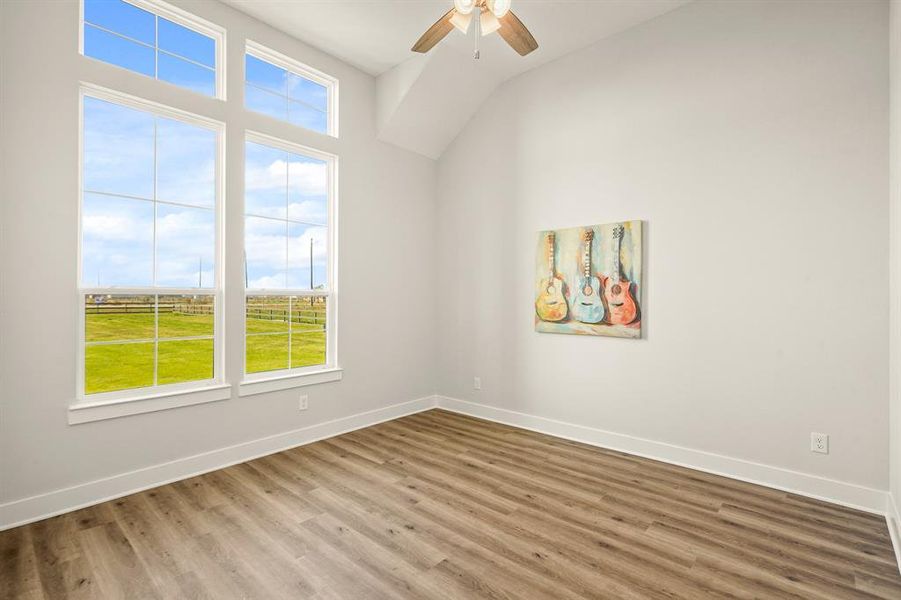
450, 299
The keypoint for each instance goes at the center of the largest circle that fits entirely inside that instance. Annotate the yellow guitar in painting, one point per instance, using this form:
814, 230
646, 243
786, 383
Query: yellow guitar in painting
551, 302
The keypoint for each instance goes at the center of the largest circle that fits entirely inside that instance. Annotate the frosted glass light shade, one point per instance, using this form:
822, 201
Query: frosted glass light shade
464, 6
499, 7
461, 21
488, 22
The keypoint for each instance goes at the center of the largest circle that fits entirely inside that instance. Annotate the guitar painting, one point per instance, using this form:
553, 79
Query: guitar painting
617, 289
588, 305
588, 280
550, 305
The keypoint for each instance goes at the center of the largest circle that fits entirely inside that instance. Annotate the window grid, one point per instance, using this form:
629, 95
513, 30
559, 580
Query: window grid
156, 202
292, 300
162, 10
288, 99
210, 295
320, 301
156, 339
156, 48
302, 71
296, 299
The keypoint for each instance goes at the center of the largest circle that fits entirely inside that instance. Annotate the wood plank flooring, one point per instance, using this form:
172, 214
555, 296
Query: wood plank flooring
438, 505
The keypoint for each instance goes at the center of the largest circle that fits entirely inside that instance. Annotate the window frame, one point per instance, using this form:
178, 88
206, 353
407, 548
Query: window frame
180, 17
218, 381
299, 69
330, 293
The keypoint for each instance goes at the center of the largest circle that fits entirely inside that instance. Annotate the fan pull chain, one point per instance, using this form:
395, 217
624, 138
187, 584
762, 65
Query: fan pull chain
477, 28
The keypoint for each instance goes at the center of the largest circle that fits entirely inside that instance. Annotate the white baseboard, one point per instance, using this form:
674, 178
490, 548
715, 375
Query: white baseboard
838, 492
35, 508
893, 520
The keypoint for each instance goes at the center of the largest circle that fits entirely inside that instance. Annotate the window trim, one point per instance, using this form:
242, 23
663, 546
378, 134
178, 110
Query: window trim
316, 373
302, 70
183, 389
180, 17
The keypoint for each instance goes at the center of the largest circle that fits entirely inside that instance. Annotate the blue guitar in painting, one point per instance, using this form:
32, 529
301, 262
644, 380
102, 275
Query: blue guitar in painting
588, 305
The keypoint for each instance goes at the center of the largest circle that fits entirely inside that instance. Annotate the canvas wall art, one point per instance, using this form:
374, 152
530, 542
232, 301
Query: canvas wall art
588, 280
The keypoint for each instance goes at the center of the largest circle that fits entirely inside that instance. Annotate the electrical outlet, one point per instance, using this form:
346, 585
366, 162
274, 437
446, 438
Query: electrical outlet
302, 404
477, 383
819, 442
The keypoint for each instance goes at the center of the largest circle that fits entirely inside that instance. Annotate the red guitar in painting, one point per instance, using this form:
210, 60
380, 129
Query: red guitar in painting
621, 306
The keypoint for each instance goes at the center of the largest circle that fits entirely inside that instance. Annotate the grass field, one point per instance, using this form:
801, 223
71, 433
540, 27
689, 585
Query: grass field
111, 365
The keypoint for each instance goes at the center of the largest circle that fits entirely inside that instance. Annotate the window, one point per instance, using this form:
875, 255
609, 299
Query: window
288, 233
284, 89
150, 282
157, 40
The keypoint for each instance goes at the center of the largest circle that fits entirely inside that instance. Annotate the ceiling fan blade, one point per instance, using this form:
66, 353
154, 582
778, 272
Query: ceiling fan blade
435, 33
516, 34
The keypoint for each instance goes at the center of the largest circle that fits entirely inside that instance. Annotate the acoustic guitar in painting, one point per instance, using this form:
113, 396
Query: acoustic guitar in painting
621, 306
551, 302
587, 306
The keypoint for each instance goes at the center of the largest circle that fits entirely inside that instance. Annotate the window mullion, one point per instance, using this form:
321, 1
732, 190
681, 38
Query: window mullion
156, 46
156, 340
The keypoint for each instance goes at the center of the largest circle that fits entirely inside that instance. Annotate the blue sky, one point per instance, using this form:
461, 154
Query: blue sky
119, 214
286, 194
124, 35
149, 182
286, 202
286, 96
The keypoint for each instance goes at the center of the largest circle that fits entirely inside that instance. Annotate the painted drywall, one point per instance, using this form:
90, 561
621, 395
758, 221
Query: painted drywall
751, 139
386, 222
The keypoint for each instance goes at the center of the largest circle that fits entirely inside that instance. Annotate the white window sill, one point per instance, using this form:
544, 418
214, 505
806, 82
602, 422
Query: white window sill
88, 411
251, 387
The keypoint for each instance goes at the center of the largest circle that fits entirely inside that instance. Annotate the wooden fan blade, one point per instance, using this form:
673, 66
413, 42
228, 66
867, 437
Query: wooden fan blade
516, 34
435, 33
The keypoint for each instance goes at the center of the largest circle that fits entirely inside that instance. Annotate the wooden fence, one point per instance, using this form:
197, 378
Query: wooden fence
122, 308
314, 315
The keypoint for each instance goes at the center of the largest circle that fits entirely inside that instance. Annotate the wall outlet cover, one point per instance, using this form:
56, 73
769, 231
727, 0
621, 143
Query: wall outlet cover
819, 442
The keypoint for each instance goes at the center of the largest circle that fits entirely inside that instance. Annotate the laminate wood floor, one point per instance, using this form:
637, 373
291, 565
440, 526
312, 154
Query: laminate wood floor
438, 505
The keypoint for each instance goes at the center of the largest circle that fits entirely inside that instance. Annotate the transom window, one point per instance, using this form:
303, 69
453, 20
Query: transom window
288, 203
282, 88
149, 244
157, 40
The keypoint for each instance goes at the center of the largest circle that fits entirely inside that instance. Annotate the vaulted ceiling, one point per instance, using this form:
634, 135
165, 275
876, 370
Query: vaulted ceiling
423, 101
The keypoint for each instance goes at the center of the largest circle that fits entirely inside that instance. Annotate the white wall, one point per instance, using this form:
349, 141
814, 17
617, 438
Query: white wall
751, 139
387, 213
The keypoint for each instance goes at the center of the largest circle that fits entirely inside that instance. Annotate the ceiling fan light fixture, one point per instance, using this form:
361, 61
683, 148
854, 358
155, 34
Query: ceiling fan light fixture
488, 22
464, 7
499, 7
461, 21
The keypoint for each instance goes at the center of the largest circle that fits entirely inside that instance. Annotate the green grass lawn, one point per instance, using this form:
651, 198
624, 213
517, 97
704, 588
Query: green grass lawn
112, 366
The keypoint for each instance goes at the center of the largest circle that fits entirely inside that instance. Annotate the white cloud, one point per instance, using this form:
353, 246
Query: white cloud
267, 282
115, 227
308, 211
303, 178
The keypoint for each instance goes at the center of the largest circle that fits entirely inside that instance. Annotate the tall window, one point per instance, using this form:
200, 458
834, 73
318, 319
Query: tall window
155, 39
288, 203
289, 91
149, 245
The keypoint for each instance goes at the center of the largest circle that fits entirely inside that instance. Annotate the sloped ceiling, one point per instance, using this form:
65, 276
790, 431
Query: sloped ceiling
423, 101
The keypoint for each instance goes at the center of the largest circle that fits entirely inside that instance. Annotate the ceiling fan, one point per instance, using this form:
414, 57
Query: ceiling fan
493, 15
